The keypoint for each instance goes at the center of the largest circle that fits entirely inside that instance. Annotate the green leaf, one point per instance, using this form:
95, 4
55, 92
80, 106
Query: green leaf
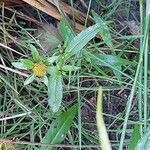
45, 80
19, 65
66, 32
52, 70
60, 127
103, 30
144, 142
70, 68
113, 62
109, 59
55, 91
29, 80
78, 42
33, 148
35, 53
27, 63
52, 59
135, 137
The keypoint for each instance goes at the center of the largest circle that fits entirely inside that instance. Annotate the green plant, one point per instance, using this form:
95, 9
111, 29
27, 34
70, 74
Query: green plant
74, 66
37, 66
50, 70
59, 127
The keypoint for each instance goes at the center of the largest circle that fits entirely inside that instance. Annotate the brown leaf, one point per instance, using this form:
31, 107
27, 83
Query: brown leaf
48, 37
51, 10
134, 28
10, 2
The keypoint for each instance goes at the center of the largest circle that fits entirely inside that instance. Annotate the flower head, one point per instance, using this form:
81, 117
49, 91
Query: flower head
39, 69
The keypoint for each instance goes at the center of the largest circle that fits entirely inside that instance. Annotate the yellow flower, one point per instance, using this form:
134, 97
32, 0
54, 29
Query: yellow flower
7, 145
39, 69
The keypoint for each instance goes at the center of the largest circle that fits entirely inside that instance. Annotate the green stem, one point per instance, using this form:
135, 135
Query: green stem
140, 89
129, 103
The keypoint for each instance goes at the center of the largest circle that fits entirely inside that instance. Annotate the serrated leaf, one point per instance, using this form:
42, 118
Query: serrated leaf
27, 63
70, 68
55, 91
66, 32
35, 53
29, 80
103, 30
59, 127
135, 137
144, 142
78, 42
19, 65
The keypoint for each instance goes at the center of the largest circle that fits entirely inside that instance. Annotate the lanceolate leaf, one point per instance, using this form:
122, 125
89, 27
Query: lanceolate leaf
55, 91
27, 63
82, 39
59, 127
66, 32
29, 80
19, 65
35, 53
104, 30
114, 62
109, 59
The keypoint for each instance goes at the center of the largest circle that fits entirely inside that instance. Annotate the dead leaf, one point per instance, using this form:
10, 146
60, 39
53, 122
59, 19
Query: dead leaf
48, 37
134, 28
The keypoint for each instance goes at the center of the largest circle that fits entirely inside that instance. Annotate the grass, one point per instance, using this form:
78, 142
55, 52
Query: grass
117, 63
